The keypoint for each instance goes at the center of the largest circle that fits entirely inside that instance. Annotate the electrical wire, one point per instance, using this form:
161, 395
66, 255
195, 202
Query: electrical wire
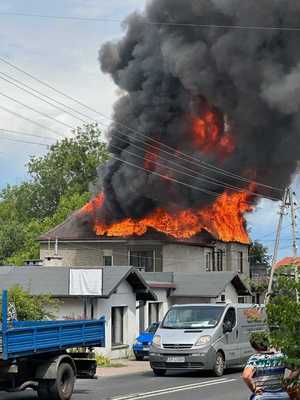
167, 178
25, 134
38, 97
196, 175
35, 110
156, 23
30, 120
209, 179
24, 141
188, 158
192, 176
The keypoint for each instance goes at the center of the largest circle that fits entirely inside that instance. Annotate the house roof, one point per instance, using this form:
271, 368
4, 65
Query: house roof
75, 229
288, 262
204, 284
55, 280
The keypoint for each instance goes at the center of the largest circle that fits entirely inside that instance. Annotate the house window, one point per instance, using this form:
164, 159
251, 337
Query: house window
143, 260
223, 298
241, 300
108, 258
117, 326
219, 260
240, 262
208, 262
153, 313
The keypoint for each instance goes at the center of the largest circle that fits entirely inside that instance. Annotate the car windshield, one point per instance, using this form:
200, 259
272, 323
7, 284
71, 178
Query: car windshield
193, 317
152, 328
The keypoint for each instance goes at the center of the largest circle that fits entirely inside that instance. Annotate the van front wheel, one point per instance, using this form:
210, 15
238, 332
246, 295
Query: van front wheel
159, 372
219, 366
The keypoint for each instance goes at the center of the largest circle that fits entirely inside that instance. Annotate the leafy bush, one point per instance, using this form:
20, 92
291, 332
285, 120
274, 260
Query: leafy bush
284, 318
32, 308
103, 361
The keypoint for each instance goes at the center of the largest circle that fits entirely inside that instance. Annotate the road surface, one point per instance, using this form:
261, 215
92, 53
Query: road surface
191, 386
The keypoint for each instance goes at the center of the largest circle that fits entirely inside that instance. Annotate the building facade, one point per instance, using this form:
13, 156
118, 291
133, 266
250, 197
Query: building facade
152, 252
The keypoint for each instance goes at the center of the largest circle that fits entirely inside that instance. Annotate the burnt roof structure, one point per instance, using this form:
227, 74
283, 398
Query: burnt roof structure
71, 230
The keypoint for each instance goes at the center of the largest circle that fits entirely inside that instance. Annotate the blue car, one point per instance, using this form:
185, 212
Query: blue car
143, 342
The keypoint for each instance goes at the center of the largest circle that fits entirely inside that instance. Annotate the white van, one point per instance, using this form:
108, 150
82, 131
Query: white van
205, 336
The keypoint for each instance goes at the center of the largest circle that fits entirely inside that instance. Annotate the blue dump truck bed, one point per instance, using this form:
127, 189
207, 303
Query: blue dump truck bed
33, 354
35, 337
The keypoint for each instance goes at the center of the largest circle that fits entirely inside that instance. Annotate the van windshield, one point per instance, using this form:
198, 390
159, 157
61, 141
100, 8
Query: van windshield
193, 317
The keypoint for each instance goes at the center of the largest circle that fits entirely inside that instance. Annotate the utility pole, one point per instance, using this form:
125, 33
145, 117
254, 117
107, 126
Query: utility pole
283, 206
294, 238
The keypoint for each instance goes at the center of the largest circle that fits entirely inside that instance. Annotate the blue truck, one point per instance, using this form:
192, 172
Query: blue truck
34, 354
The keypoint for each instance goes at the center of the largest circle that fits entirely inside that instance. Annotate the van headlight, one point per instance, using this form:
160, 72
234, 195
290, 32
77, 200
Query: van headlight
156, 341
203, 340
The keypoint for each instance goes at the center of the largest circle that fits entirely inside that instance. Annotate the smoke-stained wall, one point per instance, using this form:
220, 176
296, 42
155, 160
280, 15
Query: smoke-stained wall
168, 72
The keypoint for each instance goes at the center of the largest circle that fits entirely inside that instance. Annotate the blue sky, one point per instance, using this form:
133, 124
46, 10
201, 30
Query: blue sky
64, 53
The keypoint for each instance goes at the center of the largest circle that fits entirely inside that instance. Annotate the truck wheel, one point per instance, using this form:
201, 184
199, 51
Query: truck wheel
139, 357
42, 390
63, 386
159, 372
219, 366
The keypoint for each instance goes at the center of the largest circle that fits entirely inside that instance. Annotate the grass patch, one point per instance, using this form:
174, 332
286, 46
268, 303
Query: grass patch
106, 362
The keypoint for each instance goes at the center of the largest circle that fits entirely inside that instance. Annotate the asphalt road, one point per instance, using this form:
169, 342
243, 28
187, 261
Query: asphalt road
144, 385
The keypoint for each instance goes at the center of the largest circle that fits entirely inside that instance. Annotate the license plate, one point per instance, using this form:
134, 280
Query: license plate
175, 359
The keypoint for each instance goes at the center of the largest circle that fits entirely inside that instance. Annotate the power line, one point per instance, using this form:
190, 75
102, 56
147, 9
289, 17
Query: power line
25, 134
30, 120
188, 158
192, 176
38, 97
24, 141
212, 179
35, 110
209, 179
167, 178
156, 23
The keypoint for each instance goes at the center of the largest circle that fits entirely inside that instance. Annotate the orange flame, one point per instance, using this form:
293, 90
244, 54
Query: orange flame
224, 219
208, 139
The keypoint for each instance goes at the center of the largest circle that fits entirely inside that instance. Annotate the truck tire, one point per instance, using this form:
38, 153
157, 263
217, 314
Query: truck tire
42, 390
159, 372
219, 366
138, 357
61, 388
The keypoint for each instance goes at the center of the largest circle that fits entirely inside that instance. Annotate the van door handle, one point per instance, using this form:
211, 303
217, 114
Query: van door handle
237, 333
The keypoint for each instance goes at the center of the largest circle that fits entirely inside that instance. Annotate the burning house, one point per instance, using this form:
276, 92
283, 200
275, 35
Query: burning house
206, 124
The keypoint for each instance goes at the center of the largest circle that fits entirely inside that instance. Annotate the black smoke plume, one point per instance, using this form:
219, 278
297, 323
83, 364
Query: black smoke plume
167, 72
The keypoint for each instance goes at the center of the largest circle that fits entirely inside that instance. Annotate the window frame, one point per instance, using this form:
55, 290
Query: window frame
108, 254
220, 254
157, 306
122, 310
241, 262
138, 254
208, 261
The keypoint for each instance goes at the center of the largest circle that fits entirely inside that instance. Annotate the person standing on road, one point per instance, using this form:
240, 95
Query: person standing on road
265, 371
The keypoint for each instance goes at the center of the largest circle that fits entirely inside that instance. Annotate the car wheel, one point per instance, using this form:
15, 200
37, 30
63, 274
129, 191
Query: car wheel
139, 357
219, 366
159, 372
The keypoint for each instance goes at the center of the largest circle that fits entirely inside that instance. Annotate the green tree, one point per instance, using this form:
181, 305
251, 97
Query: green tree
59, 184
284, 317
32, 308
258, 254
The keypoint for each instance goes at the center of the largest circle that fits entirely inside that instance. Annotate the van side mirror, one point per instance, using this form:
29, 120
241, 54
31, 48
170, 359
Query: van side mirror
227, 327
